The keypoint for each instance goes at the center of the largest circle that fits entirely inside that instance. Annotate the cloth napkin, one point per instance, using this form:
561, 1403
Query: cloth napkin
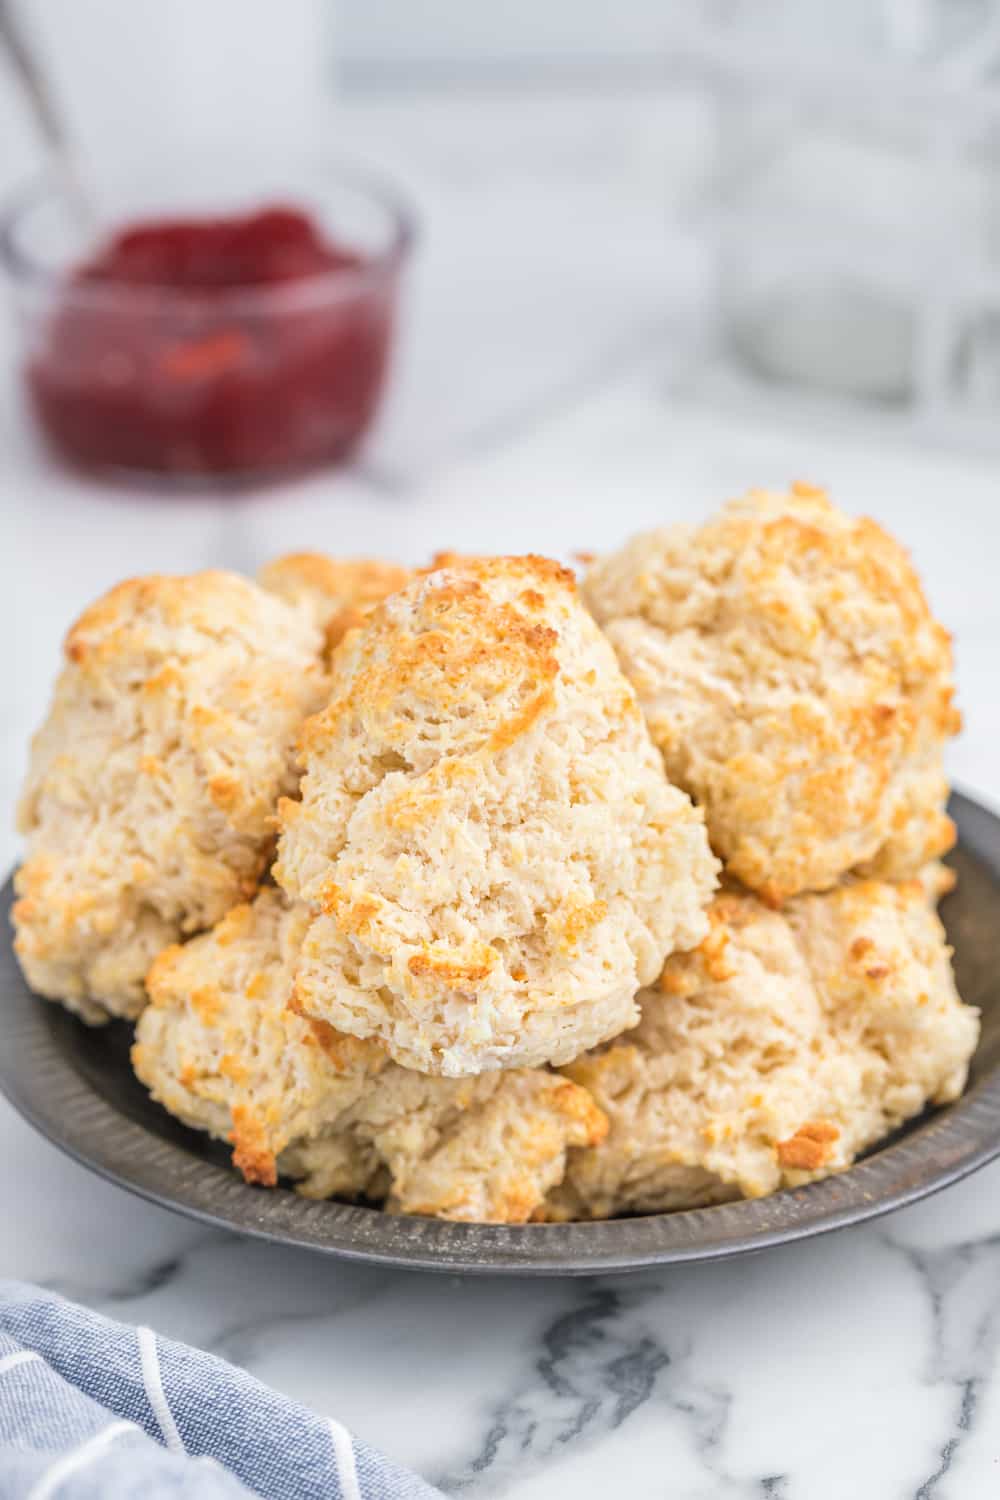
91, 1409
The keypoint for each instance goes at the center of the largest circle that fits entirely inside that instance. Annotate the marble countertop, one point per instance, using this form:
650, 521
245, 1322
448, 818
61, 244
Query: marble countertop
531, 410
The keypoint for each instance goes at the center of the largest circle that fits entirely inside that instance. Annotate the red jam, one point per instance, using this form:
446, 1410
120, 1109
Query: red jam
230, 346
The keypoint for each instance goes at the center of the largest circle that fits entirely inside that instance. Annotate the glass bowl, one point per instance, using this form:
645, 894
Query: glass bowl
148, 377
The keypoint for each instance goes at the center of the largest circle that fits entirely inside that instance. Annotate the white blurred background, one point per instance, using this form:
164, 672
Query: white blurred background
817, 186
665, 252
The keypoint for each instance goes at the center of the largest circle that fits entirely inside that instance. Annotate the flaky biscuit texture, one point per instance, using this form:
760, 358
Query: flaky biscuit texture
783, 1046
334, 592
149, 802
796, 683
495, 860
221, 1049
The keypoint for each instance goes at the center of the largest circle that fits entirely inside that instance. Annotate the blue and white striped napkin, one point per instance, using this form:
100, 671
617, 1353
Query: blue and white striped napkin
92, 1409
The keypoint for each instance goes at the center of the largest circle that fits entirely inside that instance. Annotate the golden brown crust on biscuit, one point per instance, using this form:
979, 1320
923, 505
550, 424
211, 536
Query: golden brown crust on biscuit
336, 593
251, 1155
810, 1148
296, 1096
149, 800
493, 855
796, 683
776, 1051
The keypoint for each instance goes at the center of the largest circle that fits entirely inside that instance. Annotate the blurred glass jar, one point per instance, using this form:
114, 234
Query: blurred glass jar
830, 225
132, 366
840, 203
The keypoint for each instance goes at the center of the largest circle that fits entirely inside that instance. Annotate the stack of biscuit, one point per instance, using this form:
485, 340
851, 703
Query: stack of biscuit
479, 895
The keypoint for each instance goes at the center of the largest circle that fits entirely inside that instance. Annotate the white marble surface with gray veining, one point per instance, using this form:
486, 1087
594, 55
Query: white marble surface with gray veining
530, 410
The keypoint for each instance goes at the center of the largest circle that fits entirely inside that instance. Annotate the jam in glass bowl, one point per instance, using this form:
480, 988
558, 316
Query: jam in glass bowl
235, 334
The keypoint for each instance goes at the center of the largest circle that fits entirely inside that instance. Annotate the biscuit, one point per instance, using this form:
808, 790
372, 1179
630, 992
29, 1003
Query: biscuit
486, 1150
220, 1049
783, 1046
494, 858
796, 683
149, 801
335, 593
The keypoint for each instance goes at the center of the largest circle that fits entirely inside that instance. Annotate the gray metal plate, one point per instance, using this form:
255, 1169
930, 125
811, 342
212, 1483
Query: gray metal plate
75, 1085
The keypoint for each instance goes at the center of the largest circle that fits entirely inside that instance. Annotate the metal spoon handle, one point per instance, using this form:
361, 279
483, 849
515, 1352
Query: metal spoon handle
39, 94
32, 79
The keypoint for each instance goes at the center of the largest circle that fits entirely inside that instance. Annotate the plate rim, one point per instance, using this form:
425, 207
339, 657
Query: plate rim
42, 1086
